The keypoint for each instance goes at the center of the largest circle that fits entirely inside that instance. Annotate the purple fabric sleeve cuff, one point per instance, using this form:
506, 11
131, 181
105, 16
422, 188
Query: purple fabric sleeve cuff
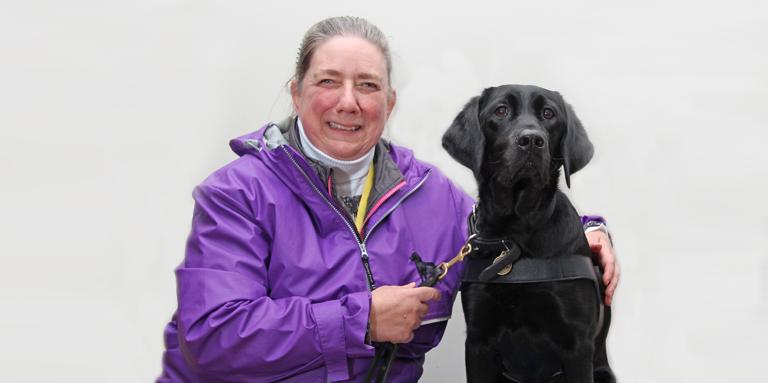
330, 327
592, 218
341, 326
357, 307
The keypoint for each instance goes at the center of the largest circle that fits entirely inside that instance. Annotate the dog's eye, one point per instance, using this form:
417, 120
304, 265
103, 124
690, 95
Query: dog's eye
547, 113
501, 111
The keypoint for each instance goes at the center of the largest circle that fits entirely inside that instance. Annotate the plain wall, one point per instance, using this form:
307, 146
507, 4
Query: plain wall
111, 112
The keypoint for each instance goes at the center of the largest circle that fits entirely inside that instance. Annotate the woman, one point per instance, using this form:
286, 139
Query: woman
298, 258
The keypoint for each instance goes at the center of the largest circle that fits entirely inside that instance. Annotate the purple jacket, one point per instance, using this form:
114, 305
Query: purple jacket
275, 281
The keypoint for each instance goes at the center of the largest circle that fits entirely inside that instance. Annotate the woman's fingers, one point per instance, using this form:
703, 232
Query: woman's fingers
397, 310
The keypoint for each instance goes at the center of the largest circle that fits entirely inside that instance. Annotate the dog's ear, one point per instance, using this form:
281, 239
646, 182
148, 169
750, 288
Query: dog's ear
464, 140
575, 146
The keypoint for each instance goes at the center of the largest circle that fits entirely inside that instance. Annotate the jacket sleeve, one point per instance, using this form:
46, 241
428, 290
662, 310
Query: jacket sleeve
229, 327
463, 207
596, 222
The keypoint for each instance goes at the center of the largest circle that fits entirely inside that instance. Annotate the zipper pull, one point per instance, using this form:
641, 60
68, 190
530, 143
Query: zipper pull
367, 267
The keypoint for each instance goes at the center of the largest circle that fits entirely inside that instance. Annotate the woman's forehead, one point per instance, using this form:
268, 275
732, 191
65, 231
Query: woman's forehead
348, 53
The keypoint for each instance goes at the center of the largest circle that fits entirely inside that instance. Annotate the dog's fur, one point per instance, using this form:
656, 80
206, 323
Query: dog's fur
515, 139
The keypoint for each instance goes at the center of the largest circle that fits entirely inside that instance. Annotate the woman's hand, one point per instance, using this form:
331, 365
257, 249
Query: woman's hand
601, 246
397, 310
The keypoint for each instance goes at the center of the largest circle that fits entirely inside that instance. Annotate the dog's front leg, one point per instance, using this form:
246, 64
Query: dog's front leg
482, 364
577, 367
603, 372
480, 356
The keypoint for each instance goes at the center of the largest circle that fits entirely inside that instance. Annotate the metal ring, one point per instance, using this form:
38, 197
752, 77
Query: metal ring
445, 270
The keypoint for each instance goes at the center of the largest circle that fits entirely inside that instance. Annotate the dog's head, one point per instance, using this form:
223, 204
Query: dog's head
515, 132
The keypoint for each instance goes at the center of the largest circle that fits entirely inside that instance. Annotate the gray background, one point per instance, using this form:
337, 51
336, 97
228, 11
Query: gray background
111, 112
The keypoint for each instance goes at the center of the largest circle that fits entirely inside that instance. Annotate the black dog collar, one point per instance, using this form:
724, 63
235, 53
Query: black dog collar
508, 251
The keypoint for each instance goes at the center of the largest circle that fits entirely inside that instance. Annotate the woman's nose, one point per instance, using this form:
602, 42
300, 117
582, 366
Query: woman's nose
348, 100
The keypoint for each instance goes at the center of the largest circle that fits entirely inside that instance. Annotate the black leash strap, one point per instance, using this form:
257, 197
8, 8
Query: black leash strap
430, 275
382, 361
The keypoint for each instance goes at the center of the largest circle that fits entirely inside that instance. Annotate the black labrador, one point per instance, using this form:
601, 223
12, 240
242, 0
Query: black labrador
533, 310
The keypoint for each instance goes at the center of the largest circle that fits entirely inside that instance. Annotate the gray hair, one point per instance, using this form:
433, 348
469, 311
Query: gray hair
331, 27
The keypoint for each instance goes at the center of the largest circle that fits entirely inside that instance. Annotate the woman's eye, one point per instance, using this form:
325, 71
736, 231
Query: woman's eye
501, 111
370, 85
547, 113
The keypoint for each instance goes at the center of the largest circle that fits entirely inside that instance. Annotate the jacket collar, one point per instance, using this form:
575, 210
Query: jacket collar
387, 173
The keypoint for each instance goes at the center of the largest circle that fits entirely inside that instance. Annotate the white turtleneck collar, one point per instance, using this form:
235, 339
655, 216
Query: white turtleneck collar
349, 176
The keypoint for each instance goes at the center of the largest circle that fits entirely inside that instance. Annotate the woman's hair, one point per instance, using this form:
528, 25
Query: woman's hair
326, 29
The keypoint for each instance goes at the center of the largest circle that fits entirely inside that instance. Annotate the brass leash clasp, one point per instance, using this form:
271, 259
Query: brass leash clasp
463, 252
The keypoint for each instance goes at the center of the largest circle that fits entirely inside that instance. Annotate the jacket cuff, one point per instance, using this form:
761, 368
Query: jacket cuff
330, 327
341, 326
357, 308
592, 219
596, 222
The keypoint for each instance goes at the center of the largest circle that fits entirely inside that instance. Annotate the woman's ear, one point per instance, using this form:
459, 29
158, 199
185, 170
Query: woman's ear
391, 100
295, 96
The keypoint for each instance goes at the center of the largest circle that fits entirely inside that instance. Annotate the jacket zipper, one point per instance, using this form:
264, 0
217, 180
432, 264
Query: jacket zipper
360, 241
363, 251
367, 266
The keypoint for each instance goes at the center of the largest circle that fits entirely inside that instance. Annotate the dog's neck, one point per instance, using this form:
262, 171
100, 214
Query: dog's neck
524, 214
508, 211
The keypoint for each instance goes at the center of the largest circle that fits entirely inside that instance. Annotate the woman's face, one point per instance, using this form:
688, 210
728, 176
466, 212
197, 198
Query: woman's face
344, 99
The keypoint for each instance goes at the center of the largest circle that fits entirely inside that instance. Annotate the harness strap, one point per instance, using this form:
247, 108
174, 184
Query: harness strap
532, 270
528, 270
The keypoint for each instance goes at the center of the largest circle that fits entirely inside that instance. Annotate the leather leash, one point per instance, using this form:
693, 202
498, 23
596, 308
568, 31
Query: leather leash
430, 275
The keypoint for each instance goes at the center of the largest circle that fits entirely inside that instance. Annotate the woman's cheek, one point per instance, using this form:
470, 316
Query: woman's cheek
324, 100
374, 109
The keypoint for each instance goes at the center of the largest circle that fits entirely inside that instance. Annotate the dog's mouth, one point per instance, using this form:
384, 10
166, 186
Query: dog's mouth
520, 185
526, 172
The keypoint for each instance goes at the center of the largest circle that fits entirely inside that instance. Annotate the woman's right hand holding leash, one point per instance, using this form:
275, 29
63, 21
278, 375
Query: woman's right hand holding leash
397, 310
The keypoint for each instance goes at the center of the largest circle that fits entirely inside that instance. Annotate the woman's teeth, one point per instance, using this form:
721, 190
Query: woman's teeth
350, 128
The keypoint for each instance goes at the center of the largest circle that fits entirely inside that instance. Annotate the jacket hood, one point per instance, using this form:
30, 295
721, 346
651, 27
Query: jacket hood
249, 143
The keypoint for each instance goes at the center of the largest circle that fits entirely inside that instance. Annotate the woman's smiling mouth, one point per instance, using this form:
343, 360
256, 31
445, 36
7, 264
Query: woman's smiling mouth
347, 128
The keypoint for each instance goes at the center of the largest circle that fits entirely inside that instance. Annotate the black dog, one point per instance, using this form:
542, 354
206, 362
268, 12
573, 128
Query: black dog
535, 314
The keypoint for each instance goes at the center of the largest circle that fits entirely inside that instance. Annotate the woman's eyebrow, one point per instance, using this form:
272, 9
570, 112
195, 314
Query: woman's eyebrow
369, 76
336, 73
326, 72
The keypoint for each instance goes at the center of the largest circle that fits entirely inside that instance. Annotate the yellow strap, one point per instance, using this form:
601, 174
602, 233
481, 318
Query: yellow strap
363, 206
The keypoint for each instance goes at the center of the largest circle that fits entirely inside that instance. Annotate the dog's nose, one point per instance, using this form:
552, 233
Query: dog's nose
531, 140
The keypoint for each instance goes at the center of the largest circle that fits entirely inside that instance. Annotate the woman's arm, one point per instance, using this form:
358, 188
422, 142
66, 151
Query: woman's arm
229, 326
